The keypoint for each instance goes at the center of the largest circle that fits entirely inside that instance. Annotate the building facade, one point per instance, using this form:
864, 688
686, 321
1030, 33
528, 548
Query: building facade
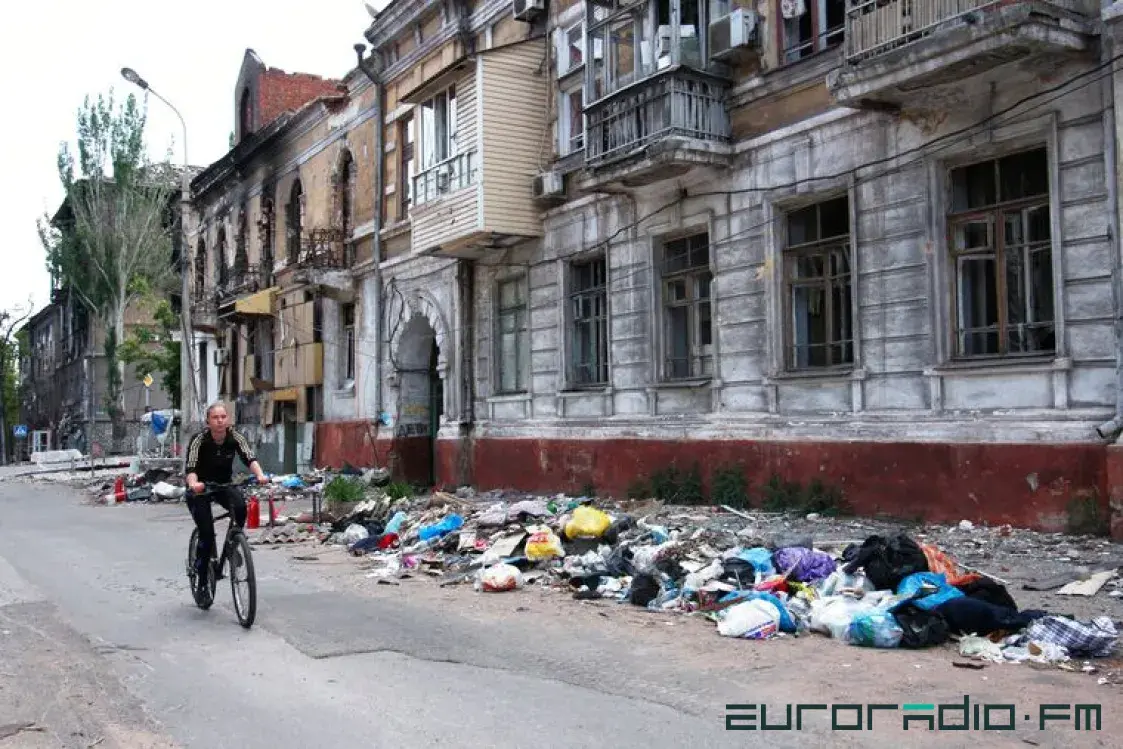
870, 243
63, 382
284, 226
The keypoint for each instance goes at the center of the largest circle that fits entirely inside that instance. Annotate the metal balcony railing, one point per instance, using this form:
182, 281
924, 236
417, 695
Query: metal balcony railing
874, 27
450, 175
325, 249
678, 102
243, 280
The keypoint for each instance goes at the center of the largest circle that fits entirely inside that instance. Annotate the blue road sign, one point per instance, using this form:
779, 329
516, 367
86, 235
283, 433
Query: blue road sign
20, 430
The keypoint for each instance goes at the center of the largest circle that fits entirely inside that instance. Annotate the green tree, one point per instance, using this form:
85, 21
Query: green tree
111, 241
154, 350
10, 322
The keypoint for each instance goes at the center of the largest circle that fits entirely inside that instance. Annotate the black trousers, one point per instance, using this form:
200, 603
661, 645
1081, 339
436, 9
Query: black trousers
228, 498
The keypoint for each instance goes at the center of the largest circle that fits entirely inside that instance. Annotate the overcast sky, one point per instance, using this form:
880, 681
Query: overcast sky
54, 52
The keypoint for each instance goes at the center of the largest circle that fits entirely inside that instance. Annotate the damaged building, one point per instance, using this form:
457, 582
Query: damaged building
870, 243
284, 226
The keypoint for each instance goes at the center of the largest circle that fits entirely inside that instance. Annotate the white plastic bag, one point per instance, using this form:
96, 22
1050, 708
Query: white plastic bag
839, 583
355, 532
832, 616
499, 578
753, 620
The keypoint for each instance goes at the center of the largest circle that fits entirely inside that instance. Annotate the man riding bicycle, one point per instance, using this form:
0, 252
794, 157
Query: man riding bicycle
210, 460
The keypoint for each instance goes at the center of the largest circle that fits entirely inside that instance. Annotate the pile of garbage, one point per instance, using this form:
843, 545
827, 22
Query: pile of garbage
149, 483
887, 591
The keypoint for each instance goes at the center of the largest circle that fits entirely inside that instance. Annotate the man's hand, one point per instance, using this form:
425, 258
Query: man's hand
262, 479
198, 487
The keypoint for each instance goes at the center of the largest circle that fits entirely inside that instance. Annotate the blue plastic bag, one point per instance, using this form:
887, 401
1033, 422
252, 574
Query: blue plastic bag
446, 526
787, 621
875, 629
910, 588
761, 560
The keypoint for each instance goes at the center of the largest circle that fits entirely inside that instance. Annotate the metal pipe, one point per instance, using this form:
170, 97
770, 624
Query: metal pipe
1110, 430
371, 73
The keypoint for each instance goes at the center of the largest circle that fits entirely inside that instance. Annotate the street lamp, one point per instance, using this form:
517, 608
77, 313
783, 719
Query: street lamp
187, 351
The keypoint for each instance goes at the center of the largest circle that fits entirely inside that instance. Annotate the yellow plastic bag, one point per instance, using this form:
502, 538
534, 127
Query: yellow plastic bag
543, 544
587, 522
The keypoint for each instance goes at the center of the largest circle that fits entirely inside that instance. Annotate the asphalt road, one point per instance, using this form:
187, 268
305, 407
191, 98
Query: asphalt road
101, 645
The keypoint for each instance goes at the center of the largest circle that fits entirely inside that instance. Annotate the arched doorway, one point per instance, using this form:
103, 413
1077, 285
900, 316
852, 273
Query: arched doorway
421, 402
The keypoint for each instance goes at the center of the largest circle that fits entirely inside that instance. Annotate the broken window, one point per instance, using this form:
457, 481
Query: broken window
407, 166
1001, 253
818, 286
220, 260
265, 350
811, 26
345, 196
266, 232
245, 114
294, 223
241, 258
588, 303
513, 336
347, 323
687, 325
200, 270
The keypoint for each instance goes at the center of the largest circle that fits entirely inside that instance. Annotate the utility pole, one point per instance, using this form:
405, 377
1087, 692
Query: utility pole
189, 397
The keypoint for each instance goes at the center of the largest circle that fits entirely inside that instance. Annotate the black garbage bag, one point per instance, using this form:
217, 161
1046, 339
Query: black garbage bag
985, 589
922, 629
645, 588
739, 572
966, 616
887, 561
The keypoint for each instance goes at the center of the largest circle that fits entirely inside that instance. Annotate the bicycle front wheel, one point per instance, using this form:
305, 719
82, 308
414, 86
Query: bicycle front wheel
243, 582
201, 590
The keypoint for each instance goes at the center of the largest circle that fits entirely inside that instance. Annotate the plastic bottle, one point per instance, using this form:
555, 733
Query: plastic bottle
446, 526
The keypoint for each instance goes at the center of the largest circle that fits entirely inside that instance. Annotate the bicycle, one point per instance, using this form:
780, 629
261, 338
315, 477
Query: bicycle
236, 550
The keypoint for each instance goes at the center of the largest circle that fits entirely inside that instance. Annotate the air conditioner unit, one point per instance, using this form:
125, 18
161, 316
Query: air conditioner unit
732, 33
528, 10
662, 41
221, 356
549, 185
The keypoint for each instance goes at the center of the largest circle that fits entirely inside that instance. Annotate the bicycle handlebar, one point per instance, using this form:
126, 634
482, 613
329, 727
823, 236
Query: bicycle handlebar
210, 487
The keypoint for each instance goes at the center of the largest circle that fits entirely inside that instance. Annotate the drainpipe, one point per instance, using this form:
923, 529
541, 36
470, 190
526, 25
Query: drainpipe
371, 73
1111, 429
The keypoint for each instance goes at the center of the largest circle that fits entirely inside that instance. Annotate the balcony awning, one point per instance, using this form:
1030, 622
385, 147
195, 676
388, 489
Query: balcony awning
259, 303
444, 78
286, 395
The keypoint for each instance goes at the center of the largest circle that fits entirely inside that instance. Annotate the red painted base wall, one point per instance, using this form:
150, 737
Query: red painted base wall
1025, 485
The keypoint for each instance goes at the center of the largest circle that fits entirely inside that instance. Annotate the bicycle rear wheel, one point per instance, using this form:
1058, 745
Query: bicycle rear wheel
202, 592
243, 581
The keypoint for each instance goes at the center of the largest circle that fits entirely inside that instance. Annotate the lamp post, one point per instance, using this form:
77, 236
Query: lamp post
188, 396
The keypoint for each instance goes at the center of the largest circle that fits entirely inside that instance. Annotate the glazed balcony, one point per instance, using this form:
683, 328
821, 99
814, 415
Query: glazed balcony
657, 128
896, 51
